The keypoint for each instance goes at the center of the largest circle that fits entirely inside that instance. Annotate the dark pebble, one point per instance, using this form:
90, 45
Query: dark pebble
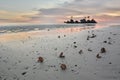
110, 63
75, 46
80, 52
89, 50
105, 42
72, 70
75, 65
58, 36
74, 42
64, 35
24, 73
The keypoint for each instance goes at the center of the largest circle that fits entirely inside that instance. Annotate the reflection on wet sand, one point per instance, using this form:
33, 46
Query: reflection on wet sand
13, 37
26, 35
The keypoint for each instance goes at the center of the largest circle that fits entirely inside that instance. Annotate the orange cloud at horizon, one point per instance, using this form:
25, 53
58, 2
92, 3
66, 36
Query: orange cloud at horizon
36, 17
16, 17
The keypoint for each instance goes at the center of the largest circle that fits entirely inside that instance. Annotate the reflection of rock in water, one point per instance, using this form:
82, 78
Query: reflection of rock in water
90, 24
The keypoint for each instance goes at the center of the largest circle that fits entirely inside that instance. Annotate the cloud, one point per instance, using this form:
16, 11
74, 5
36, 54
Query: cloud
107, 18
101, 10
83, 7
14, 17
93, 6
55, 15
59, 11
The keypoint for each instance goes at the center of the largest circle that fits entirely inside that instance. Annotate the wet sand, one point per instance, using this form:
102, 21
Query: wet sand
81, 47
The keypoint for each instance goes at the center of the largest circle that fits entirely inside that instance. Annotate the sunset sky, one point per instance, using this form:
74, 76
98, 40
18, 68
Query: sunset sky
56, 11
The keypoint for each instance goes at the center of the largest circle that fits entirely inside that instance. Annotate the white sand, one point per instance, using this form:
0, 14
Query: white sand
19, 53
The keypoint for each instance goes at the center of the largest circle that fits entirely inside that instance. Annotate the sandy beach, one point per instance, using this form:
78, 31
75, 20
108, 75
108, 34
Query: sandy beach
81, 47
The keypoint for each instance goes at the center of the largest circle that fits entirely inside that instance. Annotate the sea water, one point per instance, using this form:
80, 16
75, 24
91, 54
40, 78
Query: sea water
25, 28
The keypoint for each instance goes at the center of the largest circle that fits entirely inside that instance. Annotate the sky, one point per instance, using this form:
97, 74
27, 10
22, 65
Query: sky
57, 11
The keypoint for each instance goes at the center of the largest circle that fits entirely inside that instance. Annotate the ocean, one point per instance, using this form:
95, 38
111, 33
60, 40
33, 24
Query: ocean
25, 28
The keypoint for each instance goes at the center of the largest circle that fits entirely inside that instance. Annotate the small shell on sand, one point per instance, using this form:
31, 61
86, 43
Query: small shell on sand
63, 66
103, 50
40, 59
61, 55
81, 51
98, 56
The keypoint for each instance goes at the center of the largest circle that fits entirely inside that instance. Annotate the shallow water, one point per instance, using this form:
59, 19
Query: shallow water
19, 32
25, 28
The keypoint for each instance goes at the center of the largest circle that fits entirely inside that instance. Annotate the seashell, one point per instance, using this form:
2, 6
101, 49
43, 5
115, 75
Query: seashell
63, 67
61, 55
40, 59
98, 56
103, 50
